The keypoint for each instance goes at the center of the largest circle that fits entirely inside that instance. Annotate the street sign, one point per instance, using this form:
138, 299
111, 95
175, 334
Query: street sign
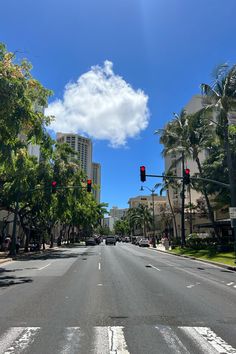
232, 213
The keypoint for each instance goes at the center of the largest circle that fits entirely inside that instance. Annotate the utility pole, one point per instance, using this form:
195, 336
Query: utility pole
153, 219
182, 206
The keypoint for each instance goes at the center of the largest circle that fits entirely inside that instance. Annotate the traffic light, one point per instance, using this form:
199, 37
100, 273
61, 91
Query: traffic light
142, 173
187, 176
54, 187
89, 185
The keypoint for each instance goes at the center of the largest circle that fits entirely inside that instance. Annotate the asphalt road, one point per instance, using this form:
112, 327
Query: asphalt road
116, 299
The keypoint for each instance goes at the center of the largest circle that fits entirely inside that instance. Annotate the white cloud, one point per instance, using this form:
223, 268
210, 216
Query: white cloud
101, 105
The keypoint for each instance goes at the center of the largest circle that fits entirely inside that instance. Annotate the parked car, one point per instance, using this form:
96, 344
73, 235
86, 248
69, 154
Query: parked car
111, 240
90, 242
127, 239
144, 243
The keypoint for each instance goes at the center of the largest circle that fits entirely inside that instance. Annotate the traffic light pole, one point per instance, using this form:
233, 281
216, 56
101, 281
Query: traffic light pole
182, 205
13, 241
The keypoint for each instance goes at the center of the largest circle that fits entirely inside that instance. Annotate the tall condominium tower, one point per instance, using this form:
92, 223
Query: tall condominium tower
96, 177
81, 145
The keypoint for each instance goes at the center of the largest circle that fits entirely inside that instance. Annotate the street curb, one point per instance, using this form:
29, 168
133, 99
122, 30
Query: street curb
5, 260
221, 265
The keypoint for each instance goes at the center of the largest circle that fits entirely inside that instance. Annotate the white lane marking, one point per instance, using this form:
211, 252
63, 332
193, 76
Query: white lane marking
231, 283
20, 336
154, 267
234, 286
172, 341
190, 286
72, 335
117, 343
208, 341
100, 284
99, 266
44, 266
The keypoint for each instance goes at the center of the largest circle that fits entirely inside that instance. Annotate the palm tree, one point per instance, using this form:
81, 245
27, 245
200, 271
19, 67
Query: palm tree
221, 99
167, 183
143, 217
189, 134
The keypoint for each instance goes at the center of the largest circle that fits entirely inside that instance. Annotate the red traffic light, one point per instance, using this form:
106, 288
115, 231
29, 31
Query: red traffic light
89, 185
54, 186
187, 176
187, 171
142, 173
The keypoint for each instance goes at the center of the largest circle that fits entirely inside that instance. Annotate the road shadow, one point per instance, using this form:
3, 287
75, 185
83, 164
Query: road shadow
54, 254
10, 280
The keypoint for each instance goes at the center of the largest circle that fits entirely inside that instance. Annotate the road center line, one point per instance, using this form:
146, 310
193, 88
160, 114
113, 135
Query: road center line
99, 266
154, 267
44, 266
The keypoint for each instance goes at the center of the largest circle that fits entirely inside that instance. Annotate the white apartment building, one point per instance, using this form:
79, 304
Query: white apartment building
117, 213
83, 146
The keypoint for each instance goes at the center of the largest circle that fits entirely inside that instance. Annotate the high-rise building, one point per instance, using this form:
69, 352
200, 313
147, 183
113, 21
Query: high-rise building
96, 178
83, 146
117, 213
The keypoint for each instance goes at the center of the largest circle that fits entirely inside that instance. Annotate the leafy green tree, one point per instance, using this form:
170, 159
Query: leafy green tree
21, 96
122, 227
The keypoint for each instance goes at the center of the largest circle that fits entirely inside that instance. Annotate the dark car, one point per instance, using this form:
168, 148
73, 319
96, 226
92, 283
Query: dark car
111, 240
90, 242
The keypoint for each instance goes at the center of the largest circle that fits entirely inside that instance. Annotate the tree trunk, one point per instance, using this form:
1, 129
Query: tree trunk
27, 238
173, 214
209, 207
51, 237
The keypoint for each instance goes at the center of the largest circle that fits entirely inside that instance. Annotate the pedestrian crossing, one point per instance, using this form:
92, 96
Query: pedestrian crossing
114, 340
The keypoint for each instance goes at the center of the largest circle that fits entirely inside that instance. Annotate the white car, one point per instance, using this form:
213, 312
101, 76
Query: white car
144, 243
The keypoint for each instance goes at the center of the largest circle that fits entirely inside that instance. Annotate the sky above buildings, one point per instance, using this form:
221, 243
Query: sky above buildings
119, 69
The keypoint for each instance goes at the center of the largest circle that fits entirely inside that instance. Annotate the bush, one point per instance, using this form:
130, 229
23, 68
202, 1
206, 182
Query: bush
197, 243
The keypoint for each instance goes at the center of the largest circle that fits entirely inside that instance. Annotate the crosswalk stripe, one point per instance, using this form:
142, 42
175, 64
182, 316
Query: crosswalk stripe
72, 338
171, 339
208, 340
101, 343
117, 341
110, 340
17, 339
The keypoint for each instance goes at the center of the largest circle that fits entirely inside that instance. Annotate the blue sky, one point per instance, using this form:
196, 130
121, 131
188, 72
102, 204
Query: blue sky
119, 68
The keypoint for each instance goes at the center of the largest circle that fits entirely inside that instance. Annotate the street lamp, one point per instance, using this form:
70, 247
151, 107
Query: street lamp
152, 190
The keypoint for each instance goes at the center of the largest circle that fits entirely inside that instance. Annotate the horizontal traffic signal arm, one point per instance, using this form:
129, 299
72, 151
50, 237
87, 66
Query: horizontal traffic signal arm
193, 178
